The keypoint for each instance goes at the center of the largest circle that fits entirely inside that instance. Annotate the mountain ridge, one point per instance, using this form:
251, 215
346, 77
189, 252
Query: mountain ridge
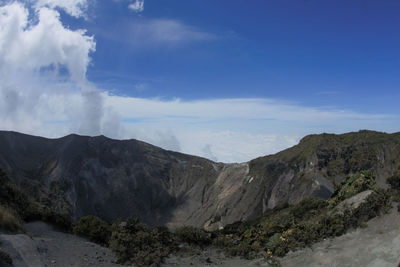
112, 179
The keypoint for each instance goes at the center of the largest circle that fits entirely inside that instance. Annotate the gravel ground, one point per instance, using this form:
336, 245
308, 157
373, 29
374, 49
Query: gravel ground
47, 247
211, 257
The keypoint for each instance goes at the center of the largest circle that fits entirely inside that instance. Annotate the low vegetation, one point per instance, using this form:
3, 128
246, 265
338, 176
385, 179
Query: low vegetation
16, 207
193, 235
134, 242
9, 221
353, 185
93, 228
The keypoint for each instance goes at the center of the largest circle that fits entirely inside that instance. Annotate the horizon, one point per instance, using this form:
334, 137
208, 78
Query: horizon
228, 80
133, 139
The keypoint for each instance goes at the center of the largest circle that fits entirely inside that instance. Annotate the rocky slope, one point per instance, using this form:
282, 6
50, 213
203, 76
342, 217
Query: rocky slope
116, 179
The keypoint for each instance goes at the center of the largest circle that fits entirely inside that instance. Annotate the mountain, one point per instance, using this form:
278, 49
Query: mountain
113, 179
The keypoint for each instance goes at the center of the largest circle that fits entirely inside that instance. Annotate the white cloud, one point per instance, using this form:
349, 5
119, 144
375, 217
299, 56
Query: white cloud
234, 130
48, 44
137, 6
75, 8
42, 63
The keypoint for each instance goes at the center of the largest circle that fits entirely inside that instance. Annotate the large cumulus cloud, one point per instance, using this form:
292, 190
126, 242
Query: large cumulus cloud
41, 59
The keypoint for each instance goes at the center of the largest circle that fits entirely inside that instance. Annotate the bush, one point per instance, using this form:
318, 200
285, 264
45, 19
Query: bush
376, 204
8, 221
234, 228
277, 245
193, 235
353, 185
93, 228
142, 245
307, 207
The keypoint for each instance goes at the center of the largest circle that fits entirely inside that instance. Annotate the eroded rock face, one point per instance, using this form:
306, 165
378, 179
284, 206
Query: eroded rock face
119, 179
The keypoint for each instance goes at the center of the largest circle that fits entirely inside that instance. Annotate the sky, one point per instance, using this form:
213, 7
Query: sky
226, 80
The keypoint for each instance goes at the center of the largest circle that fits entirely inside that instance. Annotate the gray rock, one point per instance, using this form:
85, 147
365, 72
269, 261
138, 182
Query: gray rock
354, 202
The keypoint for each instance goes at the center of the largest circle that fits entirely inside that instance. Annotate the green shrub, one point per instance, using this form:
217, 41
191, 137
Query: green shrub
234, 228
193, 235
277, 245
307, 207
93, 228
353, 185
47, 214
142, 245
8, 220
376, 204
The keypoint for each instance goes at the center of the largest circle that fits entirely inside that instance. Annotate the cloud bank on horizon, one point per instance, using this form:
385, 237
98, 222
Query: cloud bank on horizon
45, 91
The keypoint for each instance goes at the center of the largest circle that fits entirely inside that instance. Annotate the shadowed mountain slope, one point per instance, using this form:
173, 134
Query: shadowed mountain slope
127, 178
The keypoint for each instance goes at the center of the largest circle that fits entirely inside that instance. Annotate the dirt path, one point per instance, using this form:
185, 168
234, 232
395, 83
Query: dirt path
50, 248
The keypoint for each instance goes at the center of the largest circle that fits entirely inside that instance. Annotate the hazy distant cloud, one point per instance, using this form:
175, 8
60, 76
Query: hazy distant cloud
170, 31
328, 93
234, 130
166, 32
229, 130
137, 6
206, 152
145, 33
140, 87
165, 138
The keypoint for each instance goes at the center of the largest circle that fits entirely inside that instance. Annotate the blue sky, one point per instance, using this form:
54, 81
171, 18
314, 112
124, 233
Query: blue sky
335, 53
227, 80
